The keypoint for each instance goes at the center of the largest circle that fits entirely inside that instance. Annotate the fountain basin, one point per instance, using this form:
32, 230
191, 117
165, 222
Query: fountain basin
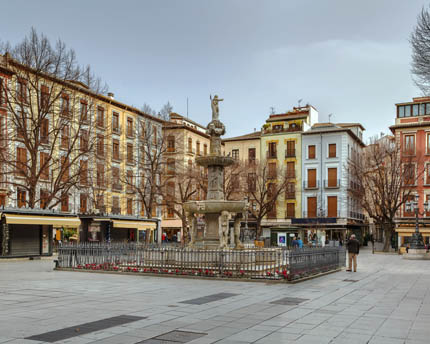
214, 206
215, 160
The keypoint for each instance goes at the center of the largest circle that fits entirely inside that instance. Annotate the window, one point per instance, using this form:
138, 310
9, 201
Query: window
251, 155
65, 134
3, 131
100, 146
170, 191
235, 154
2, 200
21, 165
291, 171
2, 92
44, 98
252, 179
427, 177
312, 178
115, 149
21, 198
311, 152
115, 122
170, 143
84, 110
129, 180
332, 177
83, 201
44, 198
171, 166
291, 210
65, 104
235, 181
100, 175
129, 206
332, 150
100, 202
83, 172
115, 179
84, 140
428, 144
100, 117
291, 149
170, 212
205, 149
428, 109
407, 111
272, 170
270, 196
422, 109
65, 202
409, 144
409, 174
65, 167
129, 153
415, 110
312, 206
410, 213
44, 130
198, 148
331, 206
190, 145
272, 154
21, 125
154, 134
130, 127
44, 166
116, 209
22, 92
290, 191
190, 165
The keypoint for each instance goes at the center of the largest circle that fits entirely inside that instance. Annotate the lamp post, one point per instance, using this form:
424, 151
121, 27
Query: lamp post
417, 238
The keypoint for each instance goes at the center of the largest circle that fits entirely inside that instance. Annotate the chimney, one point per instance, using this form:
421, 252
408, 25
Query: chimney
110, 95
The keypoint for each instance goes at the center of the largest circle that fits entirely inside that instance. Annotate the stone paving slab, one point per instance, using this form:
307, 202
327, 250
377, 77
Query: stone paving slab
388, 303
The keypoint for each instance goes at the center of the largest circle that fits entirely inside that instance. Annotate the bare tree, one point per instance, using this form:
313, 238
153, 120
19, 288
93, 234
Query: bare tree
420, 42
235, 181
264, 187
50, 104
163, 114
383, 180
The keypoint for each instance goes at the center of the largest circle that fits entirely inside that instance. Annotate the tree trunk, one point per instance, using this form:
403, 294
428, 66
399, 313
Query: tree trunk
388, 231
258, 234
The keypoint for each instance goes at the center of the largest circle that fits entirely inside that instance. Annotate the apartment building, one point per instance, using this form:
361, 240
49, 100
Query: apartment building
329, 207
412, 134
183, 179
281, 149
66, 153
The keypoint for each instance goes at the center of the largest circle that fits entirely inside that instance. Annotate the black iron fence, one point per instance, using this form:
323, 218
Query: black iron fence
274, 263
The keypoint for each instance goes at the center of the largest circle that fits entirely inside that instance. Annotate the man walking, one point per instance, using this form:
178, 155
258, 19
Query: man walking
353, 247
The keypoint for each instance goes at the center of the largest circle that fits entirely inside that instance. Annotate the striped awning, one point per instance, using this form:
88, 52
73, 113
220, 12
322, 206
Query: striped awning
140, 225
56, 221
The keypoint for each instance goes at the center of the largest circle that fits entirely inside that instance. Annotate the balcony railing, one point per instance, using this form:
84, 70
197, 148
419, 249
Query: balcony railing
357, 216
116, 186
323, 215
309, 185
290, 195
116, 130
331, 184
291, 174
271, 154
116, 210
282, 130
290, 153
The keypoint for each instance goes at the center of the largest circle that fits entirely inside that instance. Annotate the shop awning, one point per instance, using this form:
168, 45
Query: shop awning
140, 225
174, 223
408, 231
55, 221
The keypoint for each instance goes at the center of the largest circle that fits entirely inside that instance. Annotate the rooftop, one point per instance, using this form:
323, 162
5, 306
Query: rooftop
250, 136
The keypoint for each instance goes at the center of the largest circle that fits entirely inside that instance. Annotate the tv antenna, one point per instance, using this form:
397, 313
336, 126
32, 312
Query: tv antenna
329, 117
299, 101
272, 110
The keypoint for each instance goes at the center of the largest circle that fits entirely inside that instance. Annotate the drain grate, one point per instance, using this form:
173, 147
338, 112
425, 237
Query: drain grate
350, 280
85, 328
289, 301
173, 337
209, 298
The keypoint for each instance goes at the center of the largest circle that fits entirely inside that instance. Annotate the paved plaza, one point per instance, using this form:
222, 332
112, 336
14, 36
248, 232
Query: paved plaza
386, 301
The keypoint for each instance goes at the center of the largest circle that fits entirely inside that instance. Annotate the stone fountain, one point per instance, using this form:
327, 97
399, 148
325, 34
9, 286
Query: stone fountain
216, 209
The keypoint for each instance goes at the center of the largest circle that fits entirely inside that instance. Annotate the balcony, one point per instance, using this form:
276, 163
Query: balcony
311, 185
358, 216
116, 186
290, 195
116, 210
291, 174
271, 155
331, 184
116, 130
170, 150
290, 153
322, 215
291, 128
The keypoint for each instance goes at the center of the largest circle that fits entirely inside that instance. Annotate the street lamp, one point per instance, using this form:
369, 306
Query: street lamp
417, 238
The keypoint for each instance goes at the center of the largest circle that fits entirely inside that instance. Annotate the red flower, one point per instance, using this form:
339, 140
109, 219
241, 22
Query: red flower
135, 270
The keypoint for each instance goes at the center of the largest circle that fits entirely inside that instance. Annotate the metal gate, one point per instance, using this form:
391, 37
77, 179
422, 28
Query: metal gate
24, 240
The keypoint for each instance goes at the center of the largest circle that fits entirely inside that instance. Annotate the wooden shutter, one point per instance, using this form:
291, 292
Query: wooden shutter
332, 150
312, 207
332, 177
312, 178
290, 210
332, 206
290, 169
311, 152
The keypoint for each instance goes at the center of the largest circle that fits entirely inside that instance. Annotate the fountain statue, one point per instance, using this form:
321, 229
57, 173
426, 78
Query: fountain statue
216, 209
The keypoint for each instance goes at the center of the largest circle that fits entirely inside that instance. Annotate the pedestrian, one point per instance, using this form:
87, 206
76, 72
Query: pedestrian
300, 242
353, 247
295, 244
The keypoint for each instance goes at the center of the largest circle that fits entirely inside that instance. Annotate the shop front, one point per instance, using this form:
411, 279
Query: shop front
172, 228
31, 233
284, 236
404, 235
116, 229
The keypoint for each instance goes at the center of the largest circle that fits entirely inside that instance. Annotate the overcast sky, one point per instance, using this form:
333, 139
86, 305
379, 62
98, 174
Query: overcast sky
349, 58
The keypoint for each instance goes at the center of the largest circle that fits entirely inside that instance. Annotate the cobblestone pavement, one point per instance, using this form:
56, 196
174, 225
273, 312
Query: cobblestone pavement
386, 301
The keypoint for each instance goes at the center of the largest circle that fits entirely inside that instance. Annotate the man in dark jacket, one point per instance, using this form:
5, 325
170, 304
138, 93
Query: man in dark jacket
353, 247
